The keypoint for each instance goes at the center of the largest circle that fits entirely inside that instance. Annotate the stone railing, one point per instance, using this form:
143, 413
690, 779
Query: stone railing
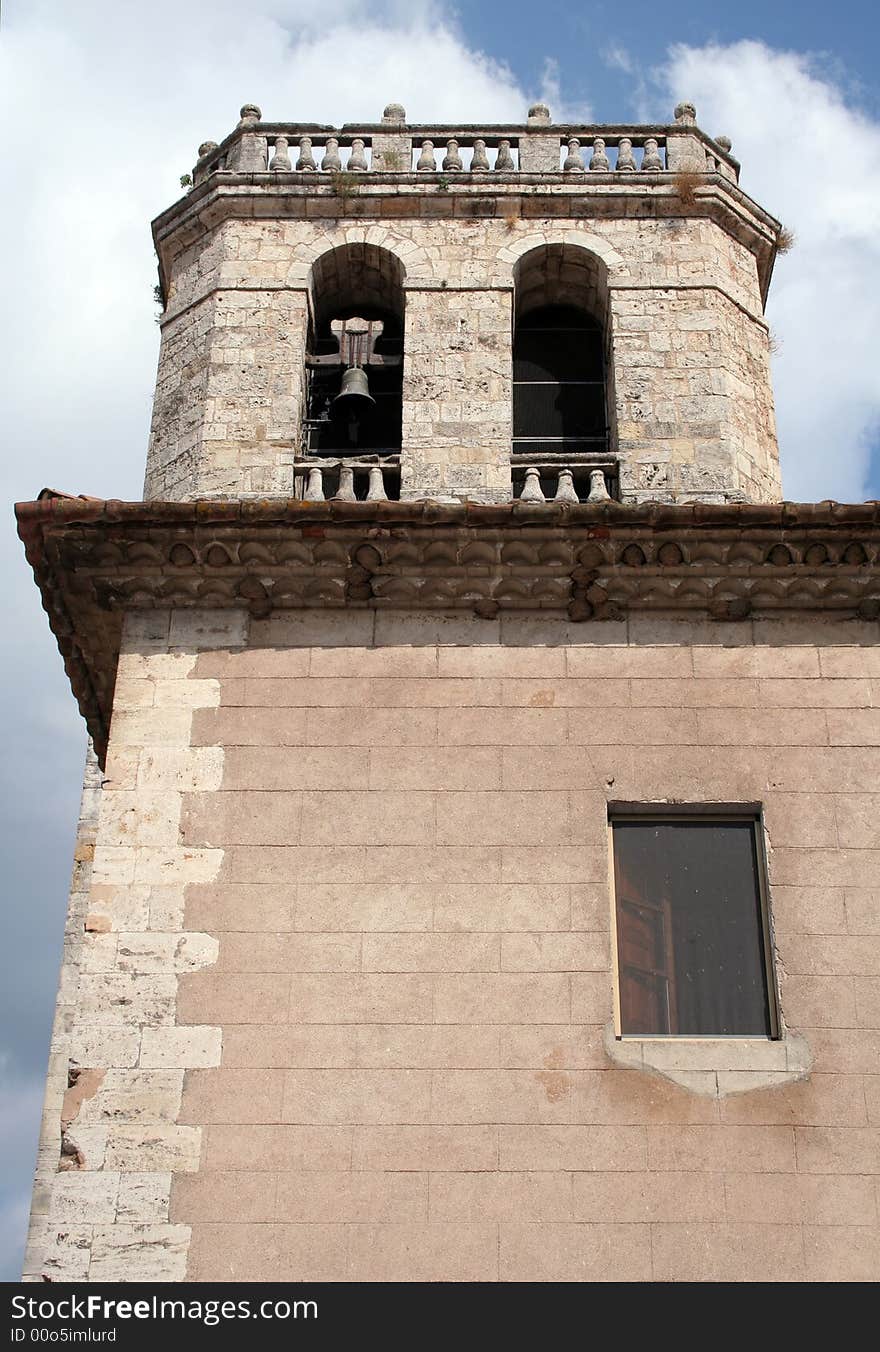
377, 479
347, 479
550, 481
310, 151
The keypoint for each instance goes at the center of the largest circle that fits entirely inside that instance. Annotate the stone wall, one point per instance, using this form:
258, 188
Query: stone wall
693, 408
367, 853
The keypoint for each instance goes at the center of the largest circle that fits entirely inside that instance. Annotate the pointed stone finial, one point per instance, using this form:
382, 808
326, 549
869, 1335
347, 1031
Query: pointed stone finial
426, 159
250, 114
539, 114
532, 491
394, 112
565, 490
306, 158
452, 158
345, 492
206, 147
598, 159
598, 487
651, 161
331, 161
376, 491
281, 159
574, 160
504, 160
315, 485
479, 159
724, 142
357, 160
685, 113
625, 159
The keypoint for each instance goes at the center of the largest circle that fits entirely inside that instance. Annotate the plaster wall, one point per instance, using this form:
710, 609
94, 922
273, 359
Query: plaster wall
340, 1002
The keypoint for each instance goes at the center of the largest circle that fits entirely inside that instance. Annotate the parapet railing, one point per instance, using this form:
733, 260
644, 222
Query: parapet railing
375, 479
550, 481
347, 478
392, 146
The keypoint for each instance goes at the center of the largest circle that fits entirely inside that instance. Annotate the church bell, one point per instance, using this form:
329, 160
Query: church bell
354, 398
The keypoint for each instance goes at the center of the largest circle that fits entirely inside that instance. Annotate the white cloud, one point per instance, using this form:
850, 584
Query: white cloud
814, 162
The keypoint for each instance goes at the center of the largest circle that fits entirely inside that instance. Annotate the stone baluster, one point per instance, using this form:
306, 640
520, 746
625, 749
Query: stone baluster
331, 162
250, 153
345, 492
357, 160
565, 489
651, 161
452, 158
315, 485
426, 158
598, 487
504, 160
532, 491
280, 160
479, 159
306, 159
574, 160
376, 491
598, 159
625, 159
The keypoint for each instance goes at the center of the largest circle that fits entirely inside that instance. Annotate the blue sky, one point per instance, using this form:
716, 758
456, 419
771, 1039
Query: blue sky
843, 40
104, 103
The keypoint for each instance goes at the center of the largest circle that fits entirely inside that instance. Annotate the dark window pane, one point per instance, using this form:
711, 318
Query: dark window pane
557, 354
689, 928
558, 411
558, 376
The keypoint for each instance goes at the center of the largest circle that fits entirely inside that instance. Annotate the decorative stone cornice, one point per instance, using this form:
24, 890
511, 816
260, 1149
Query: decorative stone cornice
94, 560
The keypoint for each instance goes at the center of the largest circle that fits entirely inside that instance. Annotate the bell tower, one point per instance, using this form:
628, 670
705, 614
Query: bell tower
478, 871
550, 311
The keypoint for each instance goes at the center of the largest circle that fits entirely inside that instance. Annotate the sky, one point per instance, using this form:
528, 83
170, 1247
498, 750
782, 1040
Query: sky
103, 104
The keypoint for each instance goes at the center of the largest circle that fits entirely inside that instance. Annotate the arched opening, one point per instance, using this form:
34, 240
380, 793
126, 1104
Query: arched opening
560, 363
354, 360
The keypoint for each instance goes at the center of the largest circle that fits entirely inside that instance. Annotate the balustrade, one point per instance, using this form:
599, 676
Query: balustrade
552, 482
395, 147
348, 479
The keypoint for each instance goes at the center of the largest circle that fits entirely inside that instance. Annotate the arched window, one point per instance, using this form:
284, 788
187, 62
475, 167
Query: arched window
560, 367
354, 362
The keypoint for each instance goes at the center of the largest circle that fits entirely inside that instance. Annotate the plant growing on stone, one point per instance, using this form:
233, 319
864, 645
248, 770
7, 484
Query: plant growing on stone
785, 240
686, 182
343, 183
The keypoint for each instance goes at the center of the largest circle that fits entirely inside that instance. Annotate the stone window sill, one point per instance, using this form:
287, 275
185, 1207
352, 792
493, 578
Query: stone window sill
714, 1066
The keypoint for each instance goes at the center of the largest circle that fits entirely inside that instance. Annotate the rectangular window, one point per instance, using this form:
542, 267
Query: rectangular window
692, 941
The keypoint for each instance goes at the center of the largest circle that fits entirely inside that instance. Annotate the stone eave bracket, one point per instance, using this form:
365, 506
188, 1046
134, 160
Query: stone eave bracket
94, 560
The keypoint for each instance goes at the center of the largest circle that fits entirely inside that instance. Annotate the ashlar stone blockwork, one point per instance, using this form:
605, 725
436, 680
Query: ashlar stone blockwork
252, 256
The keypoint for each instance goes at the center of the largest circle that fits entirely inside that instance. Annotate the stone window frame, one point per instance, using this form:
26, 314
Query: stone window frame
709, 1064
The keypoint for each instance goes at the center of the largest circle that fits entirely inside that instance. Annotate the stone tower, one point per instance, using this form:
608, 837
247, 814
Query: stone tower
478, 870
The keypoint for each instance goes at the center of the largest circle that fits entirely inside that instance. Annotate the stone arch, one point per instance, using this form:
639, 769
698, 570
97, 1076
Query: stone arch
354, 353
593, 244
562, 354
561, 273
356, 277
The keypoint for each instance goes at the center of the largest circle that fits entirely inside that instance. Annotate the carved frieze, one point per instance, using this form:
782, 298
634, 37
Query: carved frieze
593, 561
